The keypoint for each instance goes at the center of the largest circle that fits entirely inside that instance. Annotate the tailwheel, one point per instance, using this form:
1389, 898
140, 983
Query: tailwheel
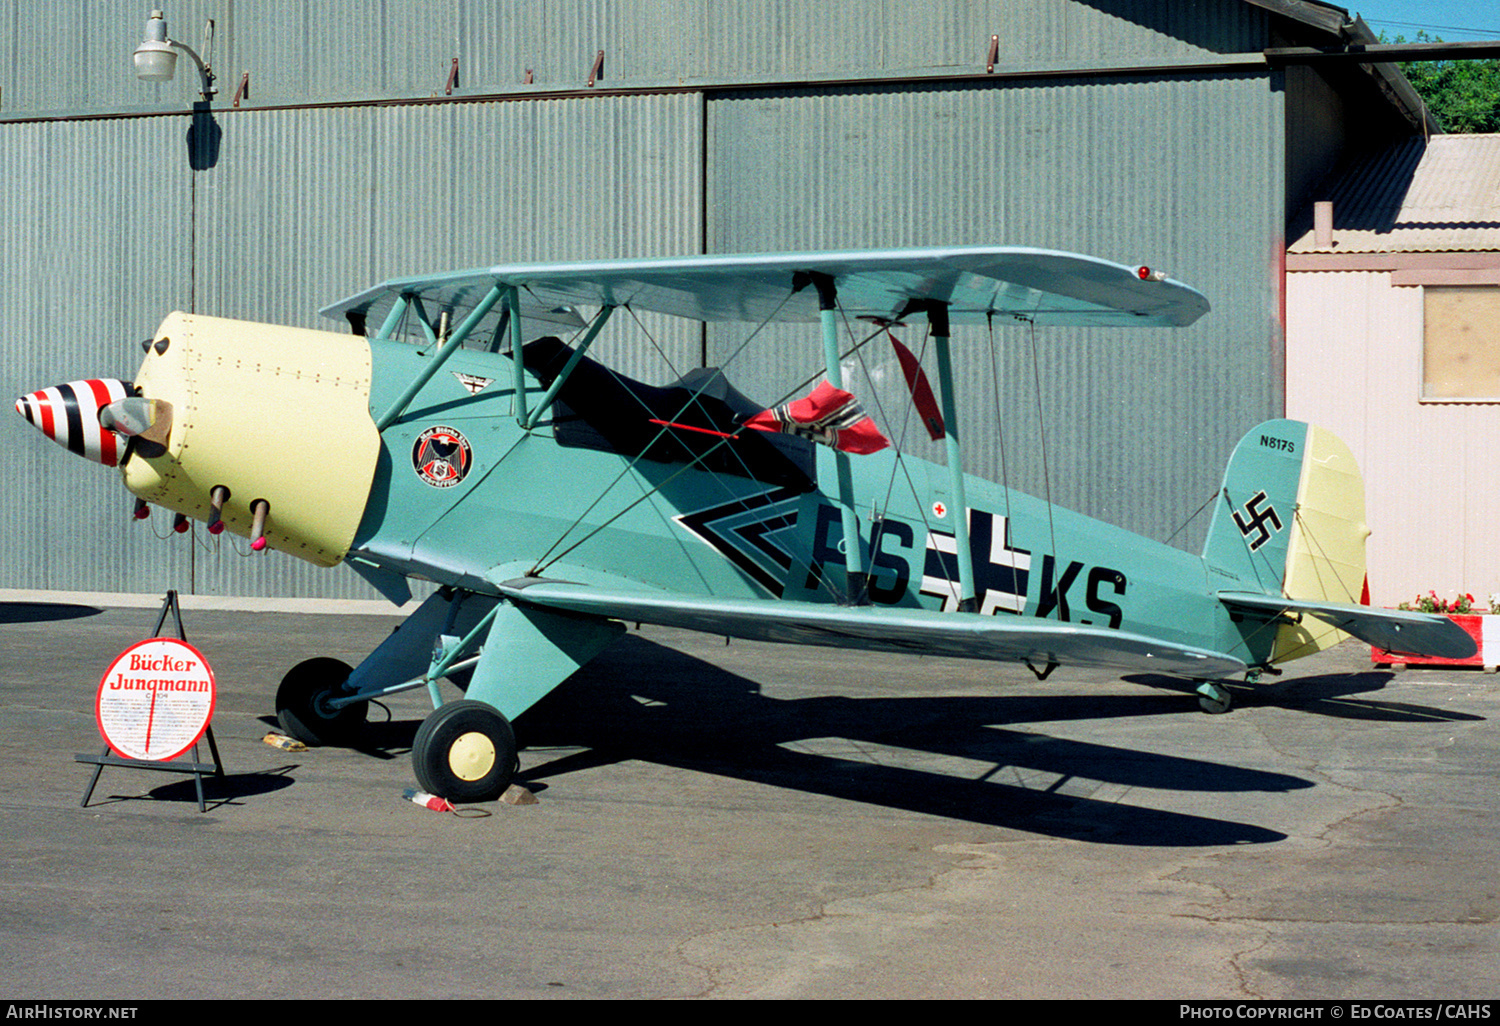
1213, 698
302, 706
465, 751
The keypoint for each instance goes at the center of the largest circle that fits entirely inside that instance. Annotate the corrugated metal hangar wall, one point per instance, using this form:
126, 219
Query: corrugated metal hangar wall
1136, 131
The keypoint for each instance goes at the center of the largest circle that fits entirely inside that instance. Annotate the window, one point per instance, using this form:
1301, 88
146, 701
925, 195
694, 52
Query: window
1461, 343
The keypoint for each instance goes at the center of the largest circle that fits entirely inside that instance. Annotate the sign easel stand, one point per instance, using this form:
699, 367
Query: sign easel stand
192, 766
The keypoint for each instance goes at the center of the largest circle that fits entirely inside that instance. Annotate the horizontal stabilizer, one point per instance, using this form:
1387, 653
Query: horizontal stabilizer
881, 629
1389, 629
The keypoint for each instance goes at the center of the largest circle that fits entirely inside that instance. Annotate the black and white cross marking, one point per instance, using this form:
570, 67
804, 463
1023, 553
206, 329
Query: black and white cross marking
1000, 572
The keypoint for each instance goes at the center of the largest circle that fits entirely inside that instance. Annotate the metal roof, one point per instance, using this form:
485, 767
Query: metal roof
1421, 195
1324, 16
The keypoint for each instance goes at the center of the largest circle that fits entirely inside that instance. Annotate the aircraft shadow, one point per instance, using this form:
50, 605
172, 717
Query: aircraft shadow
40, 612
651, 703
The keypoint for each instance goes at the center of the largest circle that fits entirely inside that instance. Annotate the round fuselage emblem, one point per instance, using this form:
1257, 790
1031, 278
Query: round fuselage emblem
441, 456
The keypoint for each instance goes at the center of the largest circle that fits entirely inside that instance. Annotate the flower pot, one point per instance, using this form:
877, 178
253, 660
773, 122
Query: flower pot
1485, 630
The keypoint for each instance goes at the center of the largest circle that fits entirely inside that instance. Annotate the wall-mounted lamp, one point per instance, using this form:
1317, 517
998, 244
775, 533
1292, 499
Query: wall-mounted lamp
156, 59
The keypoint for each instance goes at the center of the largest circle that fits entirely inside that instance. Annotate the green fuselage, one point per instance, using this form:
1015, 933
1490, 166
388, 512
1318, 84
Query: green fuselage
493, 502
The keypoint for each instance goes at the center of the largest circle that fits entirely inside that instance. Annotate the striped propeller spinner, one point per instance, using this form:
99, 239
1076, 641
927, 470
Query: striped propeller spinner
69, 415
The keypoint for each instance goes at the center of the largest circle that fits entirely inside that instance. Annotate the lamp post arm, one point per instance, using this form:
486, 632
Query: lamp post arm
204, 72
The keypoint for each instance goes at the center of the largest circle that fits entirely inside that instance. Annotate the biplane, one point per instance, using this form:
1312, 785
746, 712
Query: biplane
552, 499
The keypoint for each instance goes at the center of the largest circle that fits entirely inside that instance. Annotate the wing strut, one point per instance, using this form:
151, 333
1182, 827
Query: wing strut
512, 317
854, 564
530, 422
937, 317
447, 349
398, 311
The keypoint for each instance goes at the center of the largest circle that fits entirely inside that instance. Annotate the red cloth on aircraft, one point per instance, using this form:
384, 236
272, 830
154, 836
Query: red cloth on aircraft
830, 416
921, 391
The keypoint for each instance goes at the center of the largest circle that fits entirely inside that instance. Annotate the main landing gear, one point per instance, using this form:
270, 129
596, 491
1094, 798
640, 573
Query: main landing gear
465, 751
503, 657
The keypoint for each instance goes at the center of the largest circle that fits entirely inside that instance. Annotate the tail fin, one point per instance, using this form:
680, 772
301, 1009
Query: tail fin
1290, 522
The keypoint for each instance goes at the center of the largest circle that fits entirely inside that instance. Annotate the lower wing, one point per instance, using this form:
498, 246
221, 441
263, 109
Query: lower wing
880, 629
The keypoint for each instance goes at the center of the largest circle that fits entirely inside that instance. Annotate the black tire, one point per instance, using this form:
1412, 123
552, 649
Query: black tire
300, 707
465, 752
1214, 699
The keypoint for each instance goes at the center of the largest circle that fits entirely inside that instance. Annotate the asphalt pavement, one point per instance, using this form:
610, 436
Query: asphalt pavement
757, 821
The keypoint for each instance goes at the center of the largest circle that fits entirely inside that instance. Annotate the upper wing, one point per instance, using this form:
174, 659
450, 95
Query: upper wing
888, 629
1389, 629
977, 282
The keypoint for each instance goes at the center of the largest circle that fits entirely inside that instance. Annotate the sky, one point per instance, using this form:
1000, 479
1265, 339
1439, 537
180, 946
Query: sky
1449, 20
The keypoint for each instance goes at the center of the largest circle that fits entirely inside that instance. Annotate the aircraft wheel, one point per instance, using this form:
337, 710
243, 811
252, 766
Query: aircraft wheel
301, 703
1212, 698
465, 751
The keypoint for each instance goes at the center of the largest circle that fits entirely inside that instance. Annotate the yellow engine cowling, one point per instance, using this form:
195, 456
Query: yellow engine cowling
271, 413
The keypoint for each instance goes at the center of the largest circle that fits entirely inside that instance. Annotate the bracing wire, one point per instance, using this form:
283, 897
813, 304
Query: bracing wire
898, 461
999, 421
1315, 542
1192, 516
1041, 420
544, 561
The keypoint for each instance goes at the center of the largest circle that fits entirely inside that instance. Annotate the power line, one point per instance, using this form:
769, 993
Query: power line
1434, 28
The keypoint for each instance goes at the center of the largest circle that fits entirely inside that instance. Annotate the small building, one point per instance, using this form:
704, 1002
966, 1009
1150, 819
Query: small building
1393, 343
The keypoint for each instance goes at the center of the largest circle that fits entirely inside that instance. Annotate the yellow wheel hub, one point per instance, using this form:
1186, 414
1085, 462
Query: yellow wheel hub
471, 756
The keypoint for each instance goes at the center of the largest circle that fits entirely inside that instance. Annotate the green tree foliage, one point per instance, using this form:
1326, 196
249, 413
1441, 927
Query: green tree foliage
1464, 95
